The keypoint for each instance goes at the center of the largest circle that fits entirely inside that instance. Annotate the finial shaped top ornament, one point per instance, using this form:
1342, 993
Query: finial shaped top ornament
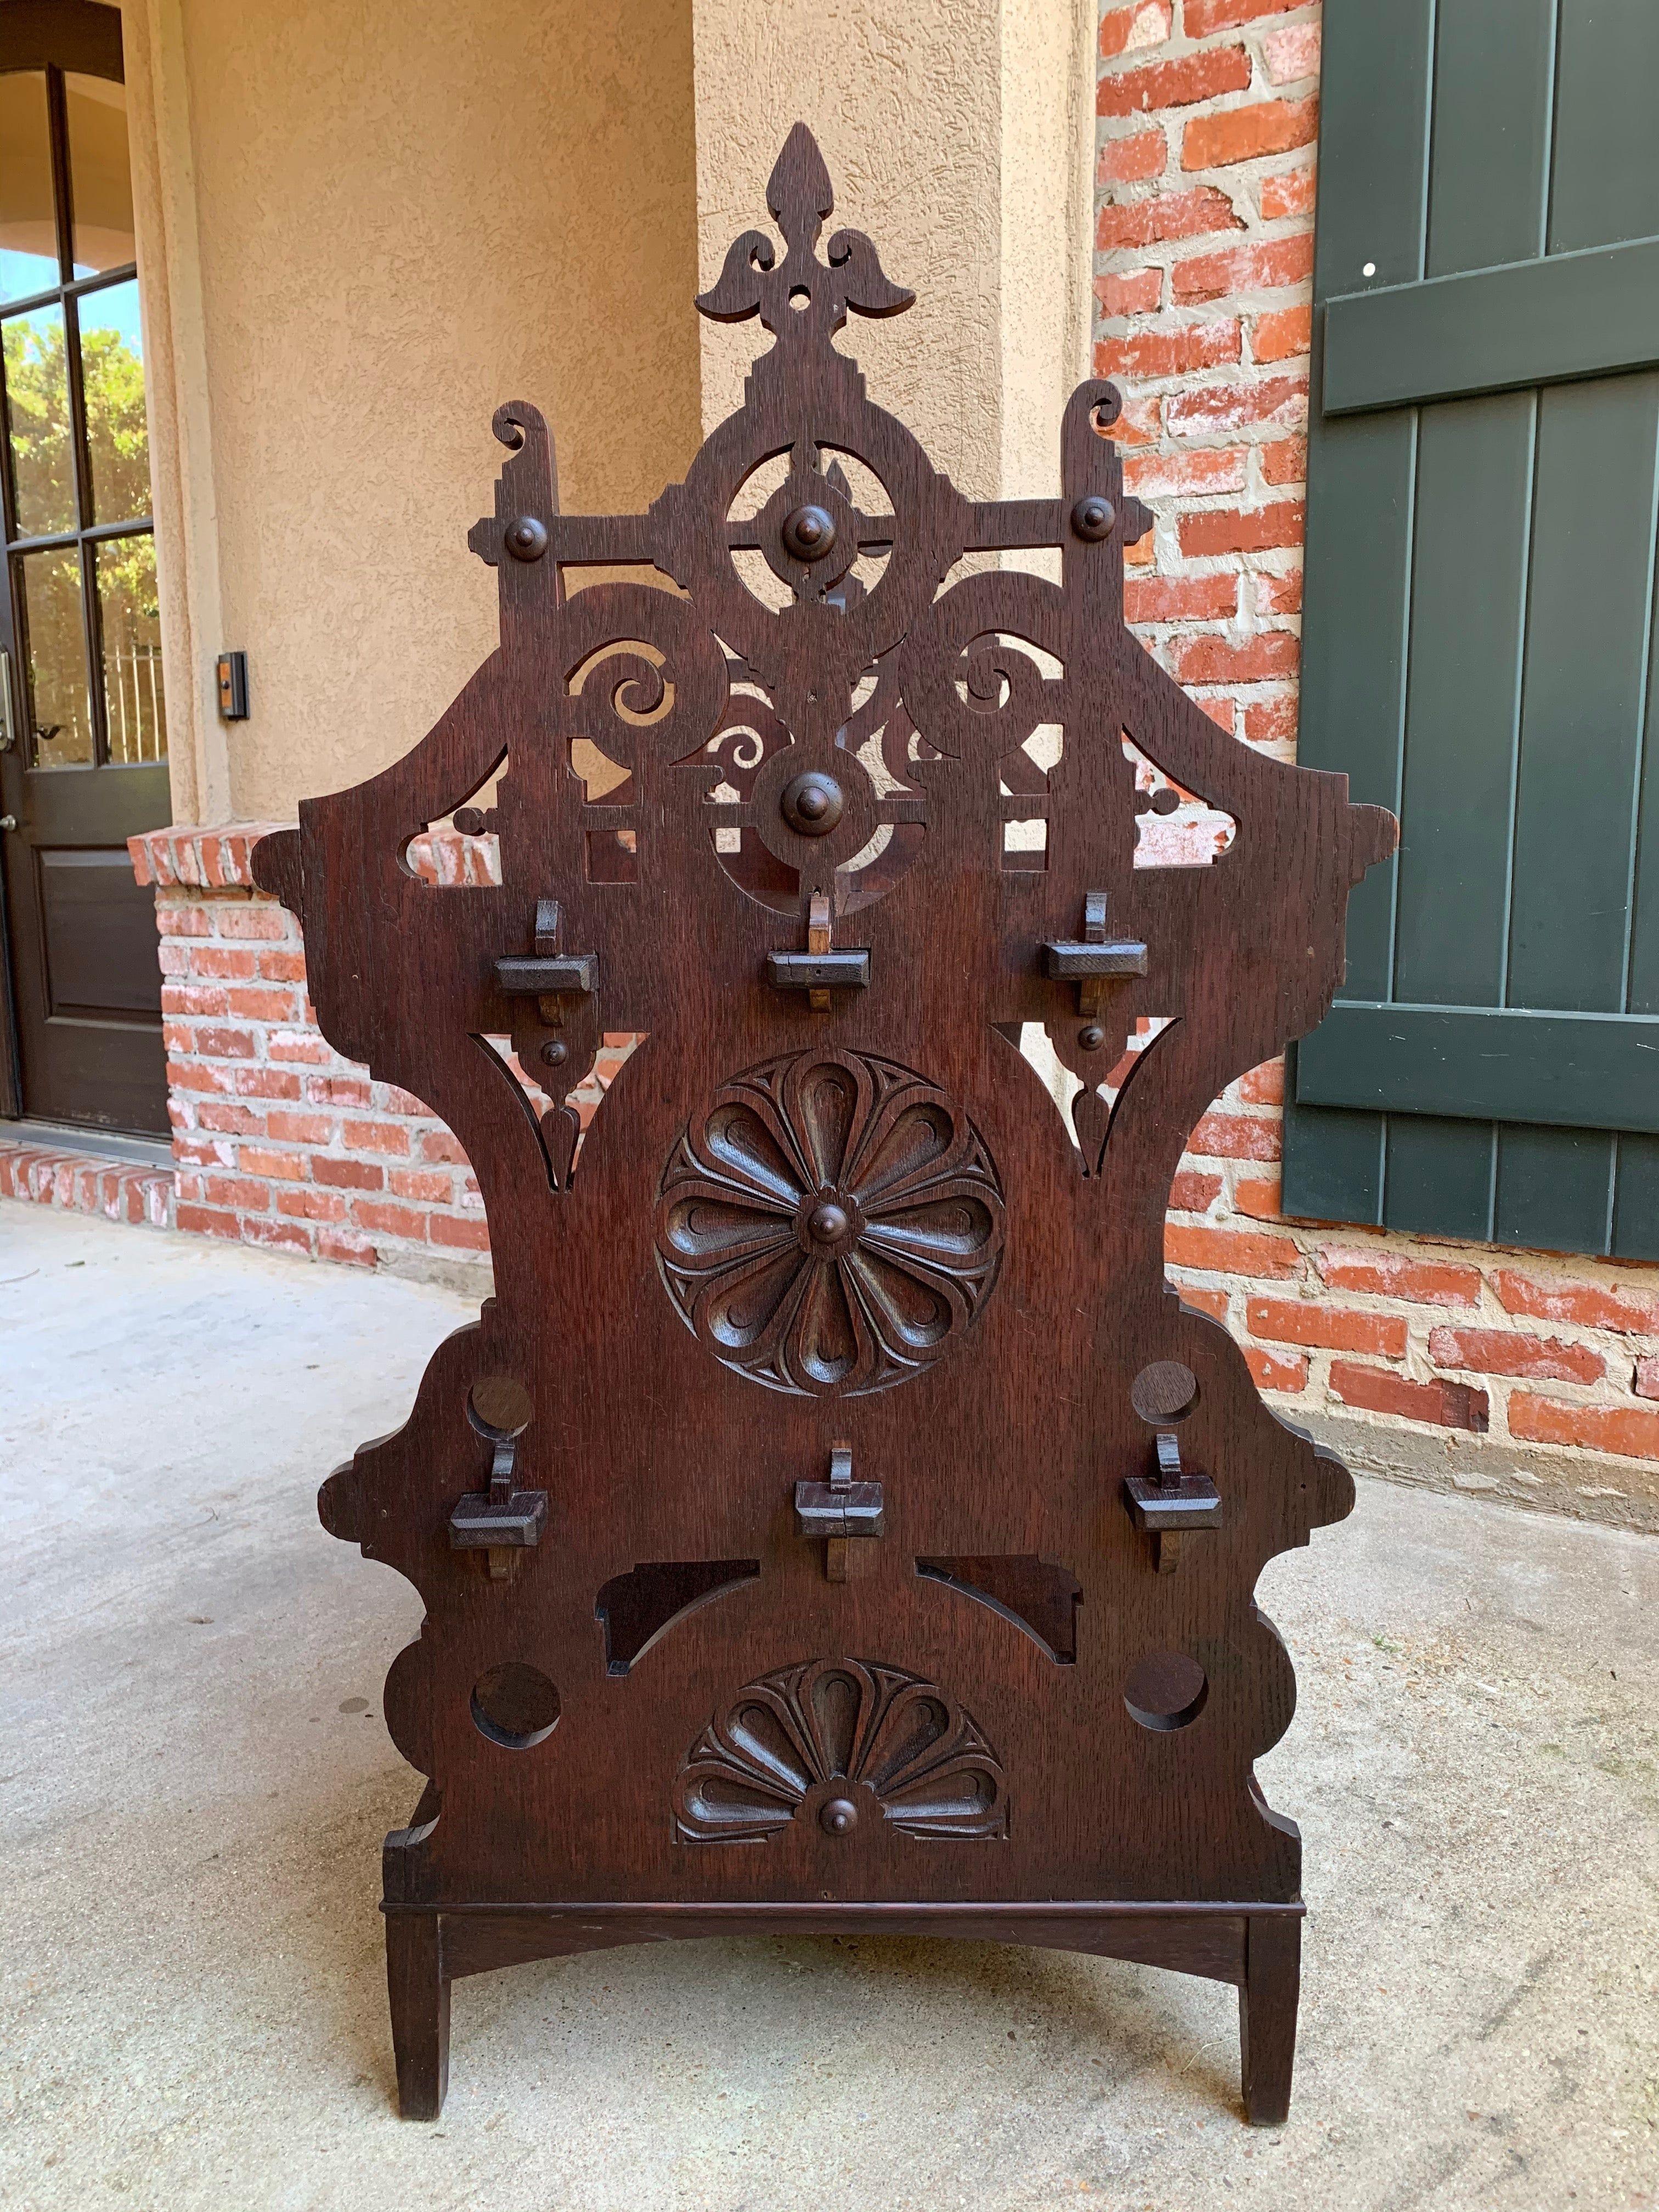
802, 297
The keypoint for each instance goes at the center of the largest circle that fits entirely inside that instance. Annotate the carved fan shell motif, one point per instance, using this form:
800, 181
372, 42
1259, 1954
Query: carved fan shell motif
831, 1222
848, 1731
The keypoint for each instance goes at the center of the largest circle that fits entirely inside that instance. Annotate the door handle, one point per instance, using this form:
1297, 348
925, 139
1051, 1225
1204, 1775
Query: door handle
7, 727
8, 820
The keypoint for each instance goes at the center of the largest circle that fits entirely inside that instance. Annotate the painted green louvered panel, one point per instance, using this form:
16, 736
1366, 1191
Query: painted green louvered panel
1480, 649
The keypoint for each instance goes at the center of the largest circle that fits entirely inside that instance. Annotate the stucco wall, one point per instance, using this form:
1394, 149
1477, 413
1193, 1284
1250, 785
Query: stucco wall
957, 134
363, 228
407, 212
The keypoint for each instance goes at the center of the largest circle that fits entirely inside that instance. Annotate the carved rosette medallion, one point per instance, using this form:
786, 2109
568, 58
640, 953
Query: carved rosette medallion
830, 1223
849, 1742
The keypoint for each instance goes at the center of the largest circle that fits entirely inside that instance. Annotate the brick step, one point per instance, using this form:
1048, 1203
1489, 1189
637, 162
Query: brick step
88, 1182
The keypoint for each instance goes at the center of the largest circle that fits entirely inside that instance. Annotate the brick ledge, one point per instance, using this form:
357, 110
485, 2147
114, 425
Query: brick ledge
220, 857
88, 1182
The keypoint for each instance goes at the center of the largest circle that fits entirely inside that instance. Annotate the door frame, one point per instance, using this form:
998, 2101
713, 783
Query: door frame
86, 38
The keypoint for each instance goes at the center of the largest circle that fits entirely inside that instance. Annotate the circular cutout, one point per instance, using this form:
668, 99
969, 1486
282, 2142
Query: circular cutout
500, 1407
1166, 1391
812, 804
526, 538
809, 531
515, 1705
1092, 518
838, 1816
806, 533
1165, 1690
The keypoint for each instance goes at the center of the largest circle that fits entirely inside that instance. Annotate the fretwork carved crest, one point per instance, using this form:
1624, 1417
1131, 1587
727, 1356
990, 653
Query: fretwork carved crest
826, 704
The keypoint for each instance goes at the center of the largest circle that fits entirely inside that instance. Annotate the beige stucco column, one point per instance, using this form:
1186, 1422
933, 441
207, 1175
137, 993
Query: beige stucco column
360, 228
176, 397
959, 134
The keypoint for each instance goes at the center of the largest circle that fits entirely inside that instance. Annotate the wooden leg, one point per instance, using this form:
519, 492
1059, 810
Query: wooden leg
1267, 2015
419, 1990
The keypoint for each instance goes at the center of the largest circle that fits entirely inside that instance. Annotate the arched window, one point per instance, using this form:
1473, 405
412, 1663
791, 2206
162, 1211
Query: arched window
85, 736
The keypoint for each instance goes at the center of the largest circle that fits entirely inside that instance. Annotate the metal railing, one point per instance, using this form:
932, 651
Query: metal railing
135, 706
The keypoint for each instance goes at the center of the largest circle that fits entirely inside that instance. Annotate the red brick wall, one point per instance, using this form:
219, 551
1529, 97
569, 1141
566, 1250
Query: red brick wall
278, 1139
1204, 262
1208, 115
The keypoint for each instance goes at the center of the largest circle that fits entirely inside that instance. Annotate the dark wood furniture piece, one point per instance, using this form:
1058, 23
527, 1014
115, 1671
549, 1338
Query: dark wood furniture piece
833, 1520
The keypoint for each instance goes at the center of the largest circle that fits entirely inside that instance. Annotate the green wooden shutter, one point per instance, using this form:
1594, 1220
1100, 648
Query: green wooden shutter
1480, 651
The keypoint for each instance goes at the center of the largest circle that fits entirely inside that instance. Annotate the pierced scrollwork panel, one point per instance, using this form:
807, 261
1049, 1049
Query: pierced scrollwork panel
830, 1221
847, 1740
856, 792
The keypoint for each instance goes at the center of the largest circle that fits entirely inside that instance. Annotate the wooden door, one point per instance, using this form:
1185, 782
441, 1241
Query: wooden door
1479, 651
83, 741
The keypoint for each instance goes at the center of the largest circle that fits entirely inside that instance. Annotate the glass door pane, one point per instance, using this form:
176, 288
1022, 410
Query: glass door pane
113, 385
100, 176
55, 658
29, 231
37, 404
135, 707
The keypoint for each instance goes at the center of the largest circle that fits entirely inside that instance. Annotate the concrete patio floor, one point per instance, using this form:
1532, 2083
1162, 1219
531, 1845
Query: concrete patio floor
195, 1778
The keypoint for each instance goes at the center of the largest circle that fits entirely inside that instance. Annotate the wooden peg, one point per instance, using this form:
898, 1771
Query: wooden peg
1171, 1505
820, 969
548, 975
820, 931
1092, 960
840, 1510
501, 1519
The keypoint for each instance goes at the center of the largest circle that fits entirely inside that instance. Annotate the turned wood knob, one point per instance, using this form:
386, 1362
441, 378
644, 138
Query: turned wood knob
812, 804
1092, 518
808, 533
839, 1816
828, 1222
526, 538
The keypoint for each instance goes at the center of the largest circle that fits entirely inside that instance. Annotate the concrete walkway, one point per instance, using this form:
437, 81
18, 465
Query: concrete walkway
194, 1782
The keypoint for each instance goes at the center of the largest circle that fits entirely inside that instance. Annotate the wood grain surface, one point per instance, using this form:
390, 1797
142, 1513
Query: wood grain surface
839, 1213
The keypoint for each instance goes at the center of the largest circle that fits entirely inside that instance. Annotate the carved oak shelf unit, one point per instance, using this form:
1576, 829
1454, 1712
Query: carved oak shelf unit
833, 1520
